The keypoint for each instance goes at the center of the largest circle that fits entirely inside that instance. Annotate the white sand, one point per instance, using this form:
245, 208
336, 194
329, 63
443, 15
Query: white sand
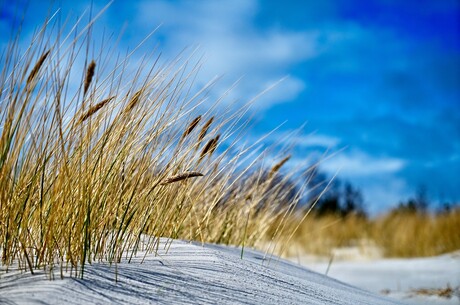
187, 274
398, 278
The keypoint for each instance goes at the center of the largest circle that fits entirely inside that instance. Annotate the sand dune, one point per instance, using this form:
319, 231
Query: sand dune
187, 274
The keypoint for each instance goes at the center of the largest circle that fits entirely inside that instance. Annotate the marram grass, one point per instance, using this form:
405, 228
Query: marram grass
90, 164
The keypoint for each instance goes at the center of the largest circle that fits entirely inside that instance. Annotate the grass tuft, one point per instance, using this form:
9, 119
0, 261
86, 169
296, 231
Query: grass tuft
80, 183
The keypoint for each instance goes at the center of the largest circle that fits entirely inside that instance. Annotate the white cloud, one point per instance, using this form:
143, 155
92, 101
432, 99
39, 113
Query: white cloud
317, 140
359, 164
302, 140
232, 44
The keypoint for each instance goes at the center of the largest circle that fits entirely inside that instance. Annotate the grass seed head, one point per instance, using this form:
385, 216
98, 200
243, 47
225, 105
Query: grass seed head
191, 126
89, 76
134, 101
94, 109
36, 68
204, 130
210, 147
214, 145
277, 166
180, 177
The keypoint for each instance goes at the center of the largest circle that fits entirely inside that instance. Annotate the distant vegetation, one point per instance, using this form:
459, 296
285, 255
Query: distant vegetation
397, 234
414, 227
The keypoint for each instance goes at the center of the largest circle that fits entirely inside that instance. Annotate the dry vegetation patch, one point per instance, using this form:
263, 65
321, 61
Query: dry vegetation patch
397, 234
447, 292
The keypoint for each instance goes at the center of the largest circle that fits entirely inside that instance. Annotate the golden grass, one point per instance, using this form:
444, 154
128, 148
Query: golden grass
414, 234
82, 183
83, 177
397, 234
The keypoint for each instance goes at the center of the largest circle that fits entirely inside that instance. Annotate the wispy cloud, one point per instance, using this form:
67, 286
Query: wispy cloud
233, 45
299, 140
358, 164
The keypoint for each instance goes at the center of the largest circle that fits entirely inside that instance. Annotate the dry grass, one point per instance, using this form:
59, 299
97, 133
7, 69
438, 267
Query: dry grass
447, 292
320, 235
83, 177
414, 234
398, 234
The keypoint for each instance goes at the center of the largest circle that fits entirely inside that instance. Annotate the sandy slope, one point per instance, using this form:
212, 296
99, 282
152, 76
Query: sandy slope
188, 274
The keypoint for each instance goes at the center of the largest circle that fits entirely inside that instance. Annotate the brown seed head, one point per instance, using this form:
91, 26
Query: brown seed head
180, 177
36, 68
134, 100
210, 147
191, 126
204, 130
277, 166
214, 145
89, 76
94, 109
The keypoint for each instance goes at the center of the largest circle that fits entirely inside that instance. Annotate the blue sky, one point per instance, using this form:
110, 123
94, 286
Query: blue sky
381, 78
